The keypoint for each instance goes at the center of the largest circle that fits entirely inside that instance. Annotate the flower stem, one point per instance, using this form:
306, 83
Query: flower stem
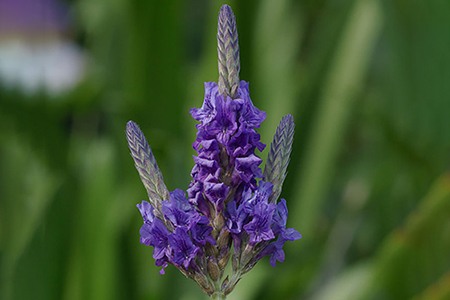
218, 296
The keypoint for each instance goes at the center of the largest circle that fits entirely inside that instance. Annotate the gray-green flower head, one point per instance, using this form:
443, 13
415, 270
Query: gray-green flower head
228, 53
279, 156
146, 166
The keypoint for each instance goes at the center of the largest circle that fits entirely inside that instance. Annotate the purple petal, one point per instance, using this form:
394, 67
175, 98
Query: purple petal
184, 251
146, 210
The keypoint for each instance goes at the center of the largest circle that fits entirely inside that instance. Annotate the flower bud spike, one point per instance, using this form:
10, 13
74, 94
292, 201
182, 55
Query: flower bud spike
228, 52
146, 166
279, 156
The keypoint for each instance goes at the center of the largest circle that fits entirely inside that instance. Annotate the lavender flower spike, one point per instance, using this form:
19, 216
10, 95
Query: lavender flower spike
146, 166
230, 211
228, 52
279, 156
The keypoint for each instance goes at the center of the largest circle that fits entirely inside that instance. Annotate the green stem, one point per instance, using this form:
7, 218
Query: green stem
218, 296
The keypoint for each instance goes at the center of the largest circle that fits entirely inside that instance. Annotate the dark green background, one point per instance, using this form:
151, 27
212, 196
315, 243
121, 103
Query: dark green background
368, 82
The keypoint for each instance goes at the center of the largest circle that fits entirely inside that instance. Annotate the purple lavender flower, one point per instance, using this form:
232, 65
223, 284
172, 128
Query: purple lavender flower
154, 233
179, 211
235, 218
226, 143
259, 228
184, 250
275, 249
230, 203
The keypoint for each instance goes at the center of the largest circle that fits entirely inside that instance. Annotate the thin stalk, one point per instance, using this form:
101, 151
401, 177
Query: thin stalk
218, 295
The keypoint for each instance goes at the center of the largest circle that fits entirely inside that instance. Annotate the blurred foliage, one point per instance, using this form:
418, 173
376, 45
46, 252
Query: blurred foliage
368, 185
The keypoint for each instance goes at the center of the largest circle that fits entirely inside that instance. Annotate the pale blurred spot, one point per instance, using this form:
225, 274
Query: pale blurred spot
36, 51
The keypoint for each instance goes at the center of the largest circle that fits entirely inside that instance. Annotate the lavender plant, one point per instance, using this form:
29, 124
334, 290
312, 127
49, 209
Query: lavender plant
230, 211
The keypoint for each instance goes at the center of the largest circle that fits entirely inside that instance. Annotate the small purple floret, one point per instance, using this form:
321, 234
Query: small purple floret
275, 249
184, 250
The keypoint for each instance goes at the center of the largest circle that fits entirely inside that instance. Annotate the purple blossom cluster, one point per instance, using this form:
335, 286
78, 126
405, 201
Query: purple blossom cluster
257, 222
230, 210
224, 183
226, 143
184, 243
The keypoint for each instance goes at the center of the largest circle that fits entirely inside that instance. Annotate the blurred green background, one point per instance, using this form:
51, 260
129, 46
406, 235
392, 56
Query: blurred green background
368, 82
